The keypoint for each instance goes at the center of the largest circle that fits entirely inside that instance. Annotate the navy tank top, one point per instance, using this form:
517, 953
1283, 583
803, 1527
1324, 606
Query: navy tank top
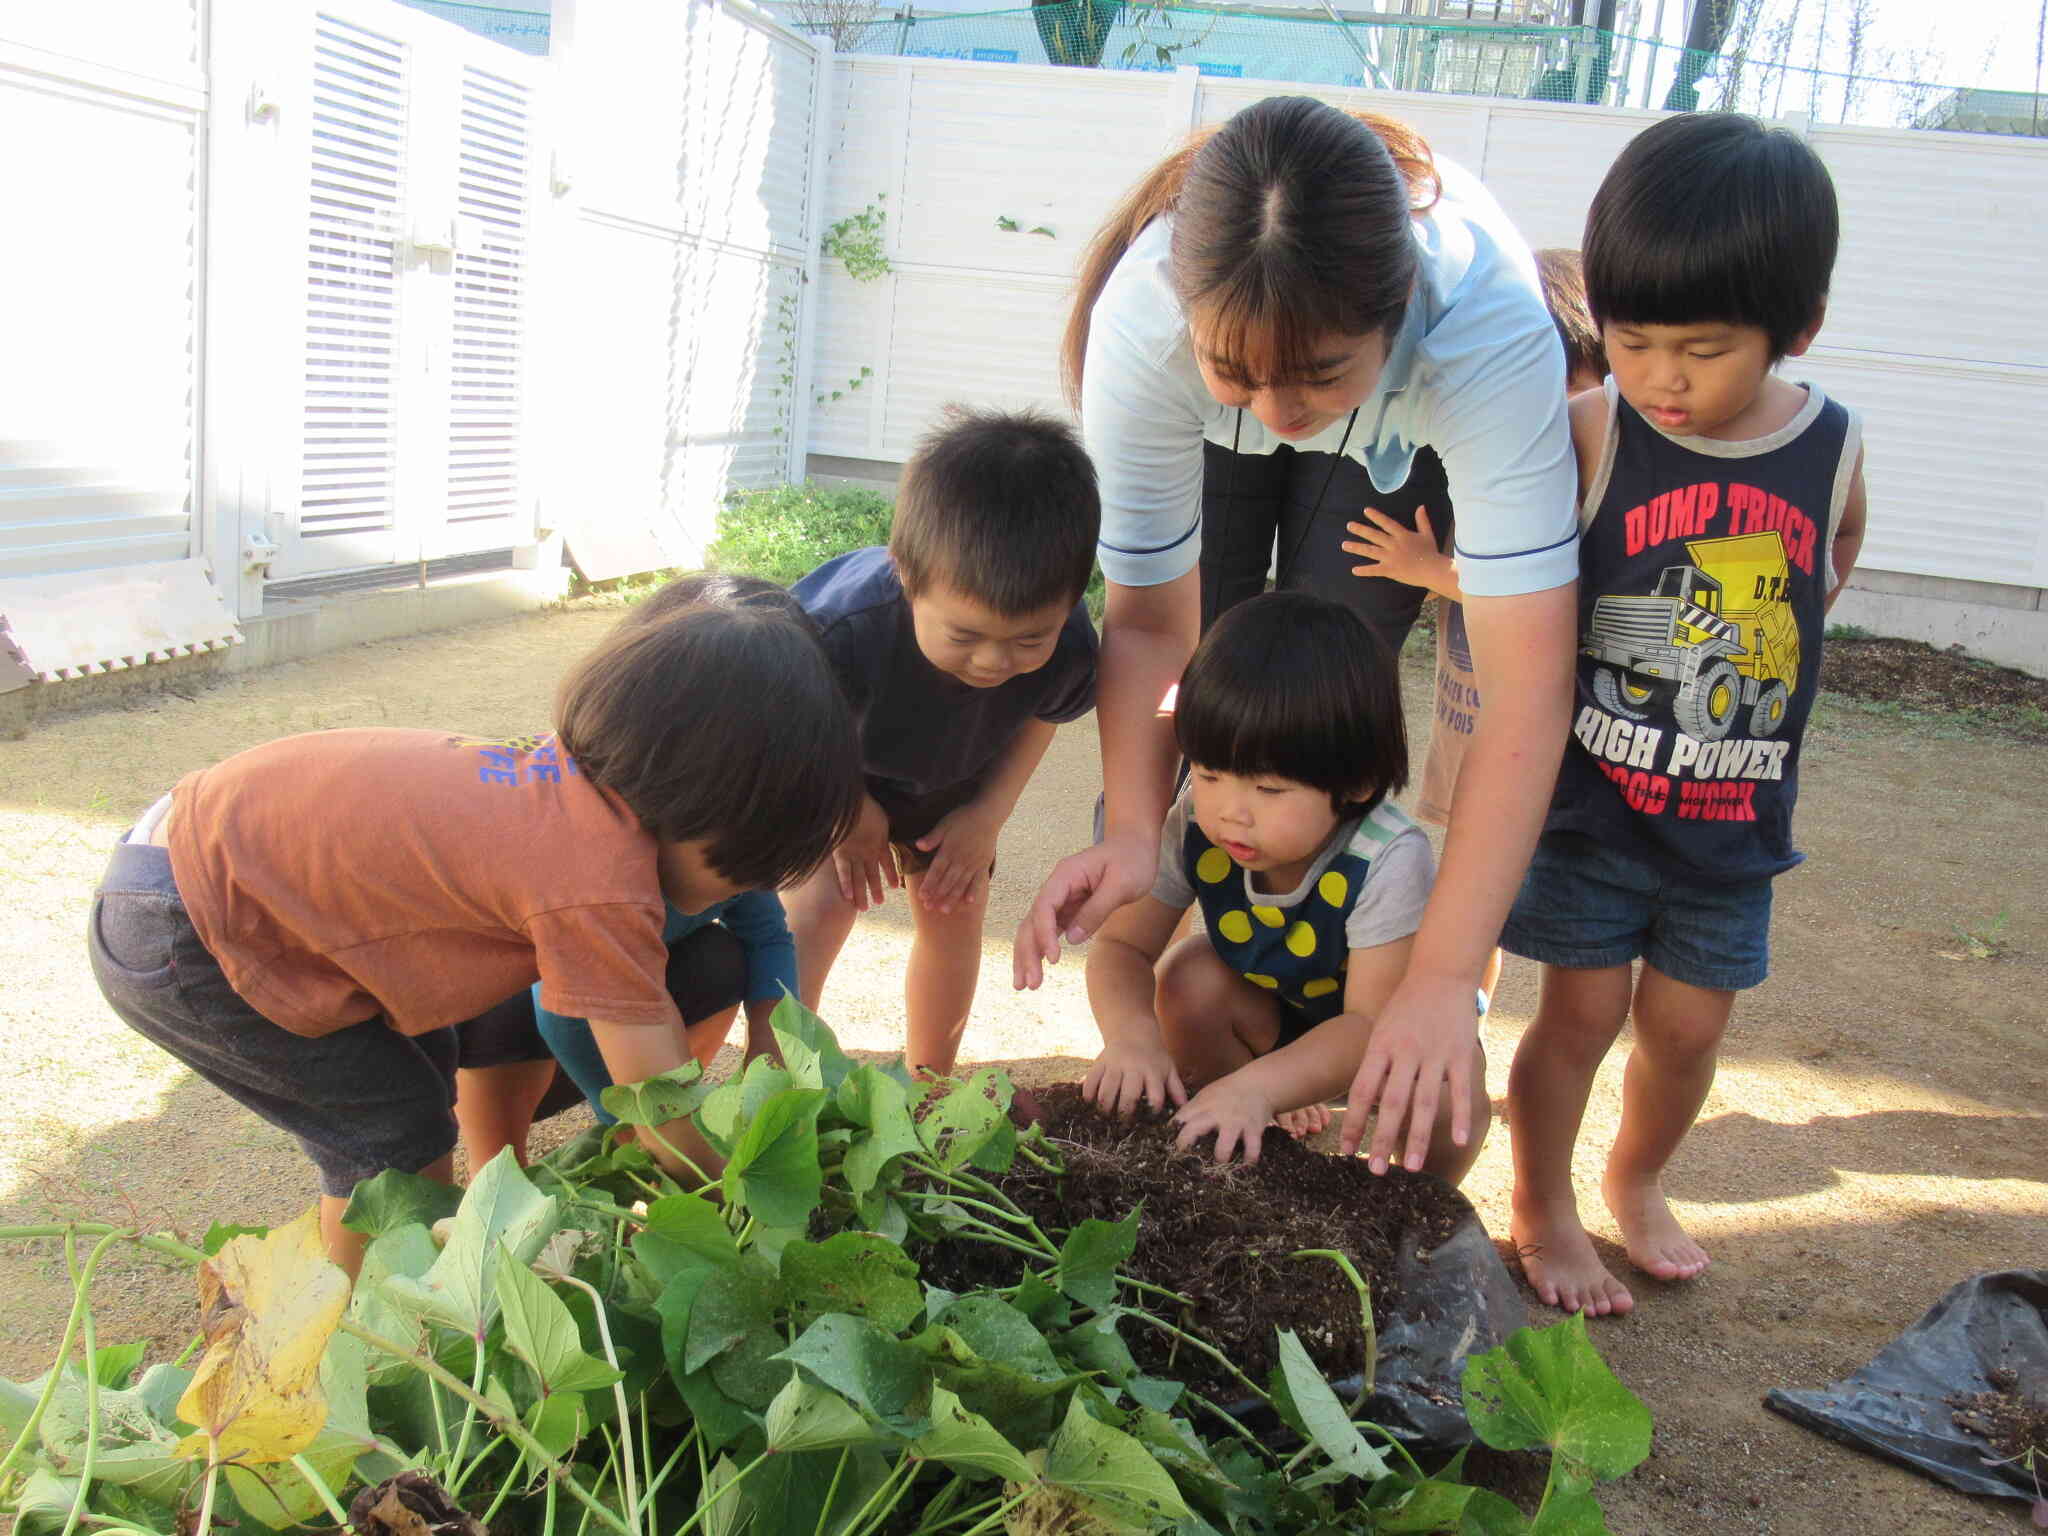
1703, 569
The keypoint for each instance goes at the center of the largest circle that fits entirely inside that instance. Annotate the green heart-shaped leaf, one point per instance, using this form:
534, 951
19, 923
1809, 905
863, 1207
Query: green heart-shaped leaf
888, 1380
659, 1099
1549, 1386
1090, 1256
854, 1272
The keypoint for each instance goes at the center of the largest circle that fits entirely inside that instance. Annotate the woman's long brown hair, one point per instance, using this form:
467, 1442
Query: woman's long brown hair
1291, 223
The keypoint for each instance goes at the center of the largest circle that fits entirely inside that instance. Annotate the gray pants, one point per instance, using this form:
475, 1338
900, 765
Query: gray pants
360, 1100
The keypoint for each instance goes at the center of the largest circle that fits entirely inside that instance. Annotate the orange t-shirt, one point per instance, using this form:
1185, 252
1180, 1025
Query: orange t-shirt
341, 875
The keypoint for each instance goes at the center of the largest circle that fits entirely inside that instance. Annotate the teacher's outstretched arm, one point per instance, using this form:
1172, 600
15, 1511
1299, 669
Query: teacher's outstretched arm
1148, 634
1523, 652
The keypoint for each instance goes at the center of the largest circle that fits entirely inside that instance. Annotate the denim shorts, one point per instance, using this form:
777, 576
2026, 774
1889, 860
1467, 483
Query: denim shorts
1584, 906
359, 1100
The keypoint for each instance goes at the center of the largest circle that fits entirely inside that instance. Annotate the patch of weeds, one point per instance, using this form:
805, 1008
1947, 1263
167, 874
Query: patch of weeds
1984, 941
1850, 632
782, 532
620, 591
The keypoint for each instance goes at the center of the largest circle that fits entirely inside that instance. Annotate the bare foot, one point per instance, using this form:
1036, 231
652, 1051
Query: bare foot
1657, 1244
1559, 1260
1309, 1120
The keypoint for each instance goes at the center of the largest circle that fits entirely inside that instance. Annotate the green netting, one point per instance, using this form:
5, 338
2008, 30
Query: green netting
1474, 59
519, 27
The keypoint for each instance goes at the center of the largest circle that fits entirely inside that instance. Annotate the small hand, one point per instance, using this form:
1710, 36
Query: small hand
963, 846
1126, 1076
864, 862
1236, 1111
1077, 898
1402, 554
1425, 1035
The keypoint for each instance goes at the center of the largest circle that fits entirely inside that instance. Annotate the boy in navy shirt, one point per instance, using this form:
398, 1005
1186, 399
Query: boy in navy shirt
1721, 511
961, 646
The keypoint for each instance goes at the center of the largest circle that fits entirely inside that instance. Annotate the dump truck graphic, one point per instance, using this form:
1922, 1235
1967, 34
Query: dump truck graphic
1716, 636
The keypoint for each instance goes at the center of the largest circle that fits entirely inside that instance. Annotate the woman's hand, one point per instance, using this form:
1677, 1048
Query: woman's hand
1077, 898
1423, 1038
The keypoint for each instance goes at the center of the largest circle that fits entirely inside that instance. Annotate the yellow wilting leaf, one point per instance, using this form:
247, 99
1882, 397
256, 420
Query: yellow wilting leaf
269, 1306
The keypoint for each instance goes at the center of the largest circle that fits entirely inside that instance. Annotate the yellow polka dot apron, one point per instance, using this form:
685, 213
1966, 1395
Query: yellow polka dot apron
1296, 952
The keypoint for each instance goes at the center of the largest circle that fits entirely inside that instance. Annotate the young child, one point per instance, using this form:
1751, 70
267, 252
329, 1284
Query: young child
1722, 508
962, 645
1420, 557
302, 923
731, 953
1311, 888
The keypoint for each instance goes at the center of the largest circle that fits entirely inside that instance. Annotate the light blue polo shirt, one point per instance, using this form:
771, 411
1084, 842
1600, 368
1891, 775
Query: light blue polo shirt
1475, 371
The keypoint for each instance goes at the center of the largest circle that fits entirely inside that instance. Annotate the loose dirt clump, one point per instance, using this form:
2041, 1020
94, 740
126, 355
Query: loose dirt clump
1220, 1235
2005, 1418
1917, 677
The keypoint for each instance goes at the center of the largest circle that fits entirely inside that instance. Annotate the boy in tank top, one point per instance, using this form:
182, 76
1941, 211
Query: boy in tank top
1722, 509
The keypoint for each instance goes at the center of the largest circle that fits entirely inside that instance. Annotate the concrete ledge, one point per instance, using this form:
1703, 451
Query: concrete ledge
870, 474
2010, 629
292, 630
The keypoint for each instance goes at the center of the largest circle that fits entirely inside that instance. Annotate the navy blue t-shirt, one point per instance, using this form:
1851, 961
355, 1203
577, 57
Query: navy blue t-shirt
924, 730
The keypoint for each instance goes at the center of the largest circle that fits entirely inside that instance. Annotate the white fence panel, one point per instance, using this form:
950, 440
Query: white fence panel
1937, 330
98, 394
680, 327
966, 329
1944, 244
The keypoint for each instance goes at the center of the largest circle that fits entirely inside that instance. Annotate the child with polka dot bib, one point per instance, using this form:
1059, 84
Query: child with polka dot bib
1311, 887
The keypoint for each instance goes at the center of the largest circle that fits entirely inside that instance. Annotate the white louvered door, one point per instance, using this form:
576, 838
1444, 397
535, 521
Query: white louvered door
419, 187
487, 503
356, 140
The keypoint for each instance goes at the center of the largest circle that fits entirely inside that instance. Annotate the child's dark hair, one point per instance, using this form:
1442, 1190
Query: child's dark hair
1300, 688
1002, 507
1713, 216
720, 720
722, 589
1563, 277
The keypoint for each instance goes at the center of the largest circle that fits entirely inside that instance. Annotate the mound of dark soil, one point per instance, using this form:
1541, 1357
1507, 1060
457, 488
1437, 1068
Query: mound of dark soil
1917, 676
1220, 1235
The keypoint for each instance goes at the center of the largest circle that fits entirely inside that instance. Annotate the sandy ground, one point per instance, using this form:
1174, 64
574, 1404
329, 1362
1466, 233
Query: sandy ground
1877, 1133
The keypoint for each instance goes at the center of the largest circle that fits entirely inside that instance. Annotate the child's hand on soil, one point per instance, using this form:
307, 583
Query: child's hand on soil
1125, 1076
1309, 1120
863, 863
1236, 1111
1402, 554
963, 846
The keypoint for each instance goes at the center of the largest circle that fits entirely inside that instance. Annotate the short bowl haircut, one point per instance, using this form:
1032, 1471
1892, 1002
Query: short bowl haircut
1002, 507
1713, 216
1296, 687
720, 722
1563, 278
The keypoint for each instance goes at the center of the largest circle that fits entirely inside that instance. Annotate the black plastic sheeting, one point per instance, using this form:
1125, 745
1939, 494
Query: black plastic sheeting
1453, 1301
1898, 1405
